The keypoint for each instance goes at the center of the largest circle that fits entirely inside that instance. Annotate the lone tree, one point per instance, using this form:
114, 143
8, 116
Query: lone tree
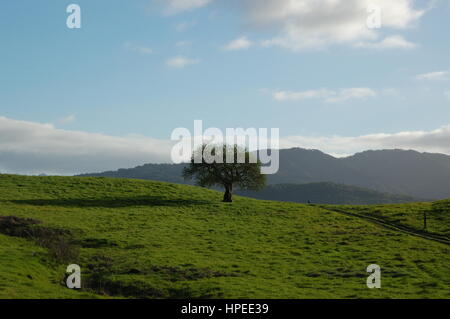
226, 166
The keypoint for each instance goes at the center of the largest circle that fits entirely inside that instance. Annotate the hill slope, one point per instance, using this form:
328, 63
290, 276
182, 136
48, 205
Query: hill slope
301, 166
412, 216
149, 239
416, 174
409, 173
325, 193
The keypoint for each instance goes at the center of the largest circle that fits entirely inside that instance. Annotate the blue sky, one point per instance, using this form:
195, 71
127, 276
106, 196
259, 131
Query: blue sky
116, 75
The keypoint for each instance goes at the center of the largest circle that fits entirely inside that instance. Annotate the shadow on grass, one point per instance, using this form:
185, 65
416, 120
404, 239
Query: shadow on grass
112, 202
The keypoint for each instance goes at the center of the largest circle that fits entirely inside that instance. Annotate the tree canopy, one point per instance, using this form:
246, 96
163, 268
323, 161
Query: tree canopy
227, 166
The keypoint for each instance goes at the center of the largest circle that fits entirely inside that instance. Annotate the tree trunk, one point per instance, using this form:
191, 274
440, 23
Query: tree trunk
227, 197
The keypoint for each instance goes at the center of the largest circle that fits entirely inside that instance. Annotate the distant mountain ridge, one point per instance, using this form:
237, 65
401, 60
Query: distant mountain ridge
412, 173
407, 173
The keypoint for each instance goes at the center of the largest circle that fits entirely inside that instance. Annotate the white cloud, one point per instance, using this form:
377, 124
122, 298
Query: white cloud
177, 6
68, 119
33, 148
312, 24
424, 141
181, 62
433, 76
326, 95
303, 95
238, 44
353, 93
391, 42
139, 49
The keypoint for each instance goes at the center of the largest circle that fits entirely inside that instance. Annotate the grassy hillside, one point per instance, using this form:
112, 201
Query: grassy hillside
26, 272
411, 215
139, 239
325, 193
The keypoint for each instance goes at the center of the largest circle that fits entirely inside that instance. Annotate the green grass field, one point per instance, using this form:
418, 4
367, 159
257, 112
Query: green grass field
411, 215
141, 239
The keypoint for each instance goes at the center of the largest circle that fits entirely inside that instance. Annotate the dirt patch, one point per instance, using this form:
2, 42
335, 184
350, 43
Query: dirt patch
58, 241
96, 243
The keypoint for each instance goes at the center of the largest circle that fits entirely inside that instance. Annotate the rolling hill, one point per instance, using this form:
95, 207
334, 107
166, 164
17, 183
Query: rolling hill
146, 239
407, 173
325, 193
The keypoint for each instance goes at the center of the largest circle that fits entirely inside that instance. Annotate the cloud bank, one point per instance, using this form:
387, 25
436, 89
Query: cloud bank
314, 24
34, 148
435, 141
